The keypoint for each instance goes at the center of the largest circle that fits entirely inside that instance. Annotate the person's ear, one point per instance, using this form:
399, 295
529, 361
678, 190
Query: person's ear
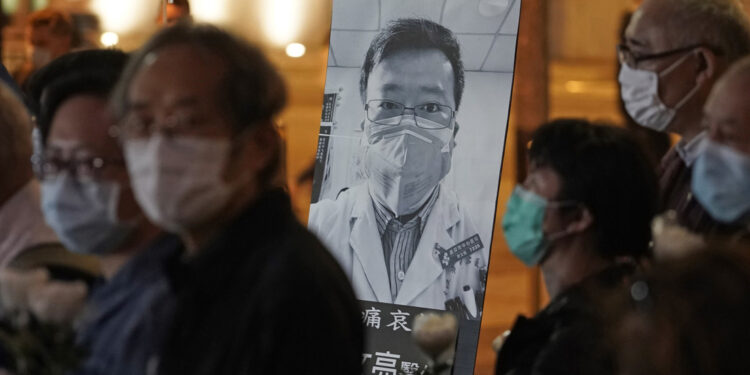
707, 65
255, 151
583, 220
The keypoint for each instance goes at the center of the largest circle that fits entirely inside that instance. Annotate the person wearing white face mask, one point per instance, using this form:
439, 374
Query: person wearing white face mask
87, 199
672, 54
393, 234
721, 176
196, 108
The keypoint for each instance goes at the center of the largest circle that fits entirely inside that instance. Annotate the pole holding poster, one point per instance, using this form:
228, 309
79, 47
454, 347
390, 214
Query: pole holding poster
407, 171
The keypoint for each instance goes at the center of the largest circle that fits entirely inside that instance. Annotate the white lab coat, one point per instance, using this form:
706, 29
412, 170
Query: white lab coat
348, 228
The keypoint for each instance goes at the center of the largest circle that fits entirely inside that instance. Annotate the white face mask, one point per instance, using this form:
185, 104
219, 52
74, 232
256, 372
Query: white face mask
639, 90
404, 163
721, 182
178, 181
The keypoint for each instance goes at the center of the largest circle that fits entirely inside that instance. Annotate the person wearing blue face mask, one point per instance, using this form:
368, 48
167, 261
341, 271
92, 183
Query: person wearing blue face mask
721, 176
88, 201
672, 54
583, 216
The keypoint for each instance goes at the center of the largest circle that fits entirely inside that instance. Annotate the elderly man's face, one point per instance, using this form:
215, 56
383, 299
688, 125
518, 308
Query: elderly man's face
727, 114
646, 35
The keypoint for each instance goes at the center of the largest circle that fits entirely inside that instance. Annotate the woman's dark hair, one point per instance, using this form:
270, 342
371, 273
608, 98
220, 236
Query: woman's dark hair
604, 169
91, 72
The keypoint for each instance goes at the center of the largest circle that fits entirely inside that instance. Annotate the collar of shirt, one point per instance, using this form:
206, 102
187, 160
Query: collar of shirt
689, 151
22, 223
383, 215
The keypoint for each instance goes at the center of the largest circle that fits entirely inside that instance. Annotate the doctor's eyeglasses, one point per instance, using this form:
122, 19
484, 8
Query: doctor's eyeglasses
427, 116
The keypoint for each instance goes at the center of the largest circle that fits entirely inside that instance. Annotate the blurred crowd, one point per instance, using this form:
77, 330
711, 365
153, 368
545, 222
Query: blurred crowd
145, 227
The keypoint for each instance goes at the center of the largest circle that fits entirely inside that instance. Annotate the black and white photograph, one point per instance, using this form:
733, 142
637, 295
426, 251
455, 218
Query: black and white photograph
417, 98
409, 154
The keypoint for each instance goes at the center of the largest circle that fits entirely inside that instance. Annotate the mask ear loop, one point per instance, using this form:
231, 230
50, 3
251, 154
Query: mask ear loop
564, 232
670, 69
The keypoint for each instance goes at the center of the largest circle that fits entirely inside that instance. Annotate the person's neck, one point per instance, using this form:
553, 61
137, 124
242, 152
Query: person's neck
197, 238
569, 263
13, 184
112, 263
689, 129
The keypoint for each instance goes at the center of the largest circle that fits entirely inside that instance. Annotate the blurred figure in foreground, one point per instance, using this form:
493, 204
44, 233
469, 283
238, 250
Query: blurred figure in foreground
583, 215
87, 199
49, 35
687, 316
257, 293
22, 225
721, 176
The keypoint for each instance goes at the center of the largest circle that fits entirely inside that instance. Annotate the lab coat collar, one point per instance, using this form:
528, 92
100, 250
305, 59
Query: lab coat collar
424, 268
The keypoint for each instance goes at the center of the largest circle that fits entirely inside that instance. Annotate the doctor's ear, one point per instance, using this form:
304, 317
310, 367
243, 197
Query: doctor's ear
707, 65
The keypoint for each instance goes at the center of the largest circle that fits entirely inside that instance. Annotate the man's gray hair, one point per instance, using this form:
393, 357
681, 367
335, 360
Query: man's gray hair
15, 131
719, 24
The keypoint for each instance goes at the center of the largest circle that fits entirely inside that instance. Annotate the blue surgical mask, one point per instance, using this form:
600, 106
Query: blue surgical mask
721, 182
522, 225
84, 214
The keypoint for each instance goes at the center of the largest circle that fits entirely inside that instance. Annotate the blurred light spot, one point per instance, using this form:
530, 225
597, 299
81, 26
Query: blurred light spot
209, 10
110, 39
295, 50
282, 20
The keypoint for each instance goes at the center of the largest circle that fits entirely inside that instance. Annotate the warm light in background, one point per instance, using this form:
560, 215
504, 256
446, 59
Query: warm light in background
282, 20
110, 39
214, 11
295, 50
124, 16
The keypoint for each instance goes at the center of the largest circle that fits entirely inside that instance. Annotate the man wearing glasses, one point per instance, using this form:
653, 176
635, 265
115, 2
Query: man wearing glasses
401, 237
672, 54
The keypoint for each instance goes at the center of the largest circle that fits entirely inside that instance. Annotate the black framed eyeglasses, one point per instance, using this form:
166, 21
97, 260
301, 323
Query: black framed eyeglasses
84, 168
626, 56
427, 115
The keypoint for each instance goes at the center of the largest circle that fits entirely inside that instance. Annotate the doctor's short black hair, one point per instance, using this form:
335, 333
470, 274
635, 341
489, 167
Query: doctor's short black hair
604, 169
414, 34
251, 92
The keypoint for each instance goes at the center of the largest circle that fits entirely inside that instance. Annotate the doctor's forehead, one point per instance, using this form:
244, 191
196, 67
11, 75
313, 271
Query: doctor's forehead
424, 72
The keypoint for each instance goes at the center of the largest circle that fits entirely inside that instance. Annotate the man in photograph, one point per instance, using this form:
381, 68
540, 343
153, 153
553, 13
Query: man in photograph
401, 236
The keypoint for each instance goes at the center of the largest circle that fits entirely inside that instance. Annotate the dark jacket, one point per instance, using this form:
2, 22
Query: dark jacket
566, 337
265, 297
126, 317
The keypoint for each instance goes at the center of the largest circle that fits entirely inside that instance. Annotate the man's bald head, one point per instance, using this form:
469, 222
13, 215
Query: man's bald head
727, 110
